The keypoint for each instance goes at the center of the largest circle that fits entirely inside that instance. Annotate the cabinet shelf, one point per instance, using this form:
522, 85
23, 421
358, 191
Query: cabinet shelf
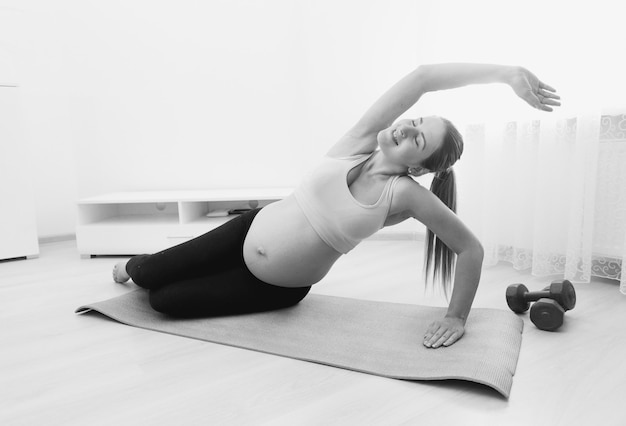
129, 223
138, 220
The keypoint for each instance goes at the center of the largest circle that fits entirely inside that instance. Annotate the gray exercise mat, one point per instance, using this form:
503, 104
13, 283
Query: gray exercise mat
378, 338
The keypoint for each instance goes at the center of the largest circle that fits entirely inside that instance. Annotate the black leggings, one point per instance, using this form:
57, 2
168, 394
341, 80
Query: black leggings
207, 276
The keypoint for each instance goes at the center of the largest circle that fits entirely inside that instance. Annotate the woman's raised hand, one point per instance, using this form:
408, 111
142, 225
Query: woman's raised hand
534, 91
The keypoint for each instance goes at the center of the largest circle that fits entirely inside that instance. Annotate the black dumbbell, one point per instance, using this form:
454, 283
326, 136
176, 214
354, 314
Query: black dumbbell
547, 314
561, 291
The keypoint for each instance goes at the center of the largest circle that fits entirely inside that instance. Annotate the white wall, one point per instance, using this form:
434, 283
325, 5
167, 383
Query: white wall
141, 95
574, 46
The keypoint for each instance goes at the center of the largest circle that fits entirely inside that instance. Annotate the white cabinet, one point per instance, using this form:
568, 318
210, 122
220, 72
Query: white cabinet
132, 223
18, 222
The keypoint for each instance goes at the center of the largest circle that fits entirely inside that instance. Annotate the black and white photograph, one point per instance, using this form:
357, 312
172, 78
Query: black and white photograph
312, 212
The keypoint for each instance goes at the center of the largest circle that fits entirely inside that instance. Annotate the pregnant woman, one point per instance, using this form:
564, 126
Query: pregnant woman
270, 257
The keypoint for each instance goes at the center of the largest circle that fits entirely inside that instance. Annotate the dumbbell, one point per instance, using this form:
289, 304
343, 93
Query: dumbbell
547, 314
562, 291
552, 302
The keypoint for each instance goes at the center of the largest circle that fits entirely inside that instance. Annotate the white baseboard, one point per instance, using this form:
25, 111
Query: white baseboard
56, 238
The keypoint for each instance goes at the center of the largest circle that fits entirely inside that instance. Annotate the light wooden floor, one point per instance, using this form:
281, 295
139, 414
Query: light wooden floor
57, 368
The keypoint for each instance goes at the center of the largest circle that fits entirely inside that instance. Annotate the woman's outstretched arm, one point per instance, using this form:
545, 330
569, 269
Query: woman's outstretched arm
424, 206
429, 78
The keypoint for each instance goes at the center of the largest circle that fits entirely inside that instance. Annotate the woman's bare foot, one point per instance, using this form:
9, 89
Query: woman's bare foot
119, 273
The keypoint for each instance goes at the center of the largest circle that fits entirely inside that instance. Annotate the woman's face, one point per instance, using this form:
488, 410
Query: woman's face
409, 142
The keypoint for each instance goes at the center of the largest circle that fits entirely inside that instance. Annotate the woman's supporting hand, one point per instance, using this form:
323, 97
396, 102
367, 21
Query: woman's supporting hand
534, 91
444, 332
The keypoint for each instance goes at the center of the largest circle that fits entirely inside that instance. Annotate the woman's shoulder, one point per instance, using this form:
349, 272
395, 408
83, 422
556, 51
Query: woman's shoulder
406, 185
406, 194
406, 188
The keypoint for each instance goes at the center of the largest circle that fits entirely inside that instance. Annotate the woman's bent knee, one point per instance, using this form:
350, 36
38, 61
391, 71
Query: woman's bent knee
134, 268
159, 302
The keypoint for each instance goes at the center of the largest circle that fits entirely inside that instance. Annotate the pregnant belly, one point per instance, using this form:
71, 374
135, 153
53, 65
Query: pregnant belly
282, 248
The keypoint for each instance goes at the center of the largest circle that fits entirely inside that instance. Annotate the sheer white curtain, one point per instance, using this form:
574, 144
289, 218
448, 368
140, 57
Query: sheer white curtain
548, 195
546, 192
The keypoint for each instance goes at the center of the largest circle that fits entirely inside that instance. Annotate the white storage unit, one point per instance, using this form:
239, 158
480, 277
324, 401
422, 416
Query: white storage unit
132, 223
18, 221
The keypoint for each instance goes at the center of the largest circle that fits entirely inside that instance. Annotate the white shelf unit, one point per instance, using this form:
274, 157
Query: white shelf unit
131, 223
